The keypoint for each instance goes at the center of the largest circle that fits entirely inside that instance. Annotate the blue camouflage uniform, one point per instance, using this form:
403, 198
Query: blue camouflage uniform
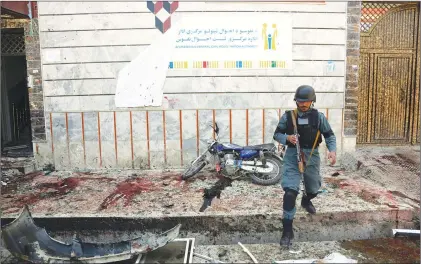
291, 176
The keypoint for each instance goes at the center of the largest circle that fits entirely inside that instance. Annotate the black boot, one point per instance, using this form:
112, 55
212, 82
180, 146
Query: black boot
307, 204
287, 233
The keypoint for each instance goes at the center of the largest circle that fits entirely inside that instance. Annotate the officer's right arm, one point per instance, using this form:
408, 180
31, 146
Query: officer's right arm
280, 135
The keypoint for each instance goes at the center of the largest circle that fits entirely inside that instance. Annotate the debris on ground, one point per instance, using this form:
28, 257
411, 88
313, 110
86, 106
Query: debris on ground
23, 238
406, 232
395, 168
49, 168
337, 173
248, 252
136, 193
110, 192
214, 191
331, 258
207, 258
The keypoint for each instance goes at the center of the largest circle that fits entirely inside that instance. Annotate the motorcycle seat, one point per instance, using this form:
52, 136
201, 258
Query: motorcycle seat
268, 146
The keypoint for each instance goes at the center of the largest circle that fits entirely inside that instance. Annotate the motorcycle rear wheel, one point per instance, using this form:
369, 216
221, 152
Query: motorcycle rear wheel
271, 178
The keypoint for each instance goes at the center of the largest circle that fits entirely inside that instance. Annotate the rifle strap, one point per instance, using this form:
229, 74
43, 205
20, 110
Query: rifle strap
294, 119
294, 122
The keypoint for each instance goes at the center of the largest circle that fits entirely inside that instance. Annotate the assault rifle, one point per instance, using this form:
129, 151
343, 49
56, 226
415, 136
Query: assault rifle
300, 153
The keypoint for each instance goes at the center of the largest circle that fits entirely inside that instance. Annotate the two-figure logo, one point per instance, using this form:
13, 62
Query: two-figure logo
270, 37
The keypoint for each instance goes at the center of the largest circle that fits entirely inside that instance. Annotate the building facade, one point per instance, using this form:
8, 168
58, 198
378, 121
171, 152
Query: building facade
83, 45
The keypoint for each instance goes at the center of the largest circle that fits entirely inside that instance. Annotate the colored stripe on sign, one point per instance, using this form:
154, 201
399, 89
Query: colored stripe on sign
247, 64
227, 64
205, 64
273, 64
178, 65
238, 64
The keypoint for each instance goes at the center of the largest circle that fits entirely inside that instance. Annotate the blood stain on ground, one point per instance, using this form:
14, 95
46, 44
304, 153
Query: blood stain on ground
387, 250
172, 177
16, 181
368, 194
47, 190
127, 190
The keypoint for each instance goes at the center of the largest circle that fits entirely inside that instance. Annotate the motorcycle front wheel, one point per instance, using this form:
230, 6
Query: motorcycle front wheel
194, 168
272, 177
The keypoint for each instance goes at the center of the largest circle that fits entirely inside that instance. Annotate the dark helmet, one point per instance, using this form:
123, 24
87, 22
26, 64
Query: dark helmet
305, 93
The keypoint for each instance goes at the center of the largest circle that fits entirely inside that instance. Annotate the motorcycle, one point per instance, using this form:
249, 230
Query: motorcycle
260, 162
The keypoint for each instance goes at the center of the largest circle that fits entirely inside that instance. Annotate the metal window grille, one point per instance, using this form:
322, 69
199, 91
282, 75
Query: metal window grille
372, 11
12, 44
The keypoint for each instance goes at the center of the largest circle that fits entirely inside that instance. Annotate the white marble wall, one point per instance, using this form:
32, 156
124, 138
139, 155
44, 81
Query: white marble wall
85, 44
121, 141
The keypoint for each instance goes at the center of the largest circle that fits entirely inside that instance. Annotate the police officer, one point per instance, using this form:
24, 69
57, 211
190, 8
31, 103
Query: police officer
309, 121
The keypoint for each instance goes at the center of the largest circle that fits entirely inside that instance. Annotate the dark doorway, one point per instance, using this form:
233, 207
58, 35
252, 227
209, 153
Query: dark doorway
16, 136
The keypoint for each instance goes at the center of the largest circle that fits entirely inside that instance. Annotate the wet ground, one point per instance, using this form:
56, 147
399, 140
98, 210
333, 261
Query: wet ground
386, 250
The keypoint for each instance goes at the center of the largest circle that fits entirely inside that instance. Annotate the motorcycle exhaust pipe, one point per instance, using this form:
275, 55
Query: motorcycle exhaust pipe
250, 166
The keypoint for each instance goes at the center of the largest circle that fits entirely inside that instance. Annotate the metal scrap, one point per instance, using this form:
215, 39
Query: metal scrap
29, 242
406, 232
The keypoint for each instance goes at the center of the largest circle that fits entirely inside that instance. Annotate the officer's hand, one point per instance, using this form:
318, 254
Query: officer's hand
332, 157
292, 139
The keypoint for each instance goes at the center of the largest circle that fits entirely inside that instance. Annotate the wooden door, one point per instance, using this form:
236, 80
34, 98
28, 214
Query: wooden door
388, 103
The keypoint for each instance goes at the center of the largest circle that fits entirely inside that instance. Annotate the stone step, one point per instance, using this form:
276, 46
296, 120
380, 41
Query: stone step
22, 165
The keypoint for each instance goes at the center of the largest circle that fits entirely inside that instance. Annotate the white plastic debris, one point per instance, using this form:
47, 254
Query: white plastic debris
297, 261
3, 183
337, 258
331, 258
406, 232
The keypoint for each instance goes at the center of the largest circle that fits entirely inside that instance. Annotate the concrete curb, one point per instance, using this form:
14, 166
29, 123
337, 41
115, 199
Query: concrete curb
251, 228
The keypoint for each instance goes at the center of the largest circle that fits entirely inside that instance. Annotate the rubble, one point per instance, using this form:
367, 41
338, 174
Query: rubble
30, 242
331, 258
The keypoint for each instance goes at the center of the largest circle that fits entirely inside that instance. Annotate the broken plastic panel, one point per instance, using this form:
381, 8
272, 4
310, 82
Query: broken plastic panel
29, 242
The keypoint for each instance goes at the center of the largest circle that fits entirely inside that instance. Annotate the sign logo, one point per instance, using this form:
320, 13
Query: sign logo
162, 11
270, 37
